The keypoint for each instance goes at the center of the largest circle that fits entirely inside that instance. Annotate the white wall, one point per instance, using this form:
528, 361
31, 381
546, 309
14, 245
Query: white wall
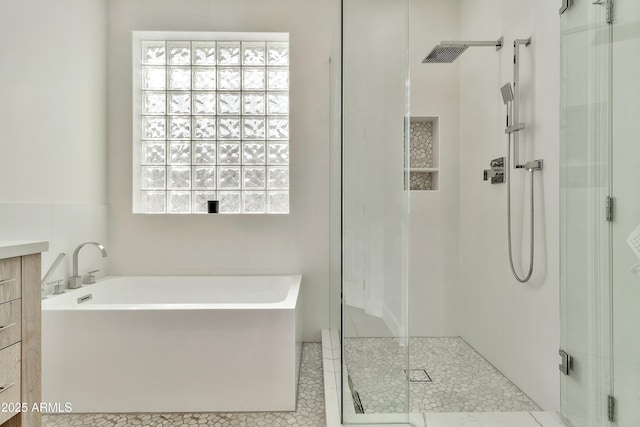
53, 126
231, 244
515, 326
433, 302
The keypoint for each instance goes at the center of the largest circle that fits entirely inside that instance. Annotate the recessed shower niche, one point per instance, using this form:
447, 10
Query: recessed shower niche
423, 169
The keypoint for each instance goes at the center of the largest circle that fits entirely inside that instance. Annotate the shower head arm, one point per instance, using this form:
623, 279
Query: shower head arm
525, 42
497, 43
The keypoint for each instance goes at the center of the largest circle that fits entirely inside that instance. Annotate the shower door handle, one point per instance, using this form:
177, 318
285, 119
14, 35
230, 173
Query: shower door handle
566, 4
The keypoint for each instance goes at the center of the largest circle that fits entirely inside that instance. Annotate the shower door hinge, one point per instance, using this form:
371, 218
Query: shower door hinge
609, 209
566, 4
611, 408
566, 362
609, 11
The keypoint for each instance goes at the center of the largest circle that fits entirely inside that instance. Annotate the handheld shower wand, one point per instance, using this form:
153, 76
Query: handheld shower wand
510, 98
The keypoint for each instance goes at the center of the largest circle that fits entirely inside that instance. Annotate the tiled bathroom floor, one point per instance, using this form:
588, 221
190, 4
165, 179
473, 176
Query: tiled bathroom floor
462, 380
310, 411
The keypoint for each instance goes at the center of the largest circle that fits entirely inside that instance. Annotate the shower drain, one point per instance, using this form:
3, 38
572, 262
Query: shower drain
418, 376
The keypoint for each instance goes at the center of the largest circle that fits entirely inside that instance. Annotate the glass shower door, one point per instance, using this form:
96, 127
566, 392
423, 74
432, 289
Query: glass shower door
626, 216
600, 212
585, 145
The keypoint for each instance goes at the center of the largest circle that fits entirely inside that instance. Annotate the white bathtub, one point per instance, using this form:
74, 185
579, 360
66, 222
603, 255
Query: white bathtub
173, 344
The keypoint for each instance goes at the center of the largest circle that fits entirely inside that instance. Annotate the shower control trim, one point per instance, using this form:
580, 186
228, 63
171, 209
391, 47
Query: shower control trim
496, 173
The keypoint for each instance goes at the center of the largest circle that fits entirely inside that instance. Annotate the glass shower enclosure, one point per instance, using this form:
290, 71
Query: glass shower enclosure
600, 212
375, 211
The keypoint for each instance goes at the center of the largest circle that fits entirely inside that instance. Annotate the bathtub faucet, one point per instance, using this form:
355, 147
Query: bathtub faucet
75, 281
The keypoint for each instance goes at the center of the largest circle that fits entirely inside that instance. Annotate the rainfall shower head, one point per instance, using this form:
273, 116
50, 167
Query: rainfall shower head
507, 93
447, 52
444, 54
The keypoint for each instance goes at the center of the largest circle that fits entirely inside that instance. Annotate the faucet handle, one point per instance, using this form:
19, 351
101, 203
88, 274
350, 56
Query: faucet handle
91, 277
57, 289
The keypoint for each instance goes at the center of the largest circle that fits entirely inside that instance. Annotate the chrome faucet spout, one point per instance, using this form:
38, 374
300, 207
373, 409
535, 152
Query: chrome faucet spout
75, 280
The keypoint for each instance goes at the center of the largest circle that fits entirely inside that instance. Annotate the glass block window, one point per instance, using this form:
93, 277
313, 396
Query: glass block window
211, 122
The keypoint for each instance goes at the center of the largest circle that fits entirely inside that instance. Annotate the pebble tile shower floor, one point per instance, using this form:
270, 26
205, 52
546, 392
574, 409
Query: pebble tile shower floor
309, 413
461, 379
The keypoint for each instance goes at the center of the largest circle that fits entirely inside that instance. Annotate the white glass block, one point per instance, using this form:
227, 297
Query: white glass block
278, 178
253, 53
179, 202
254, 202
229, 153
278, 53
153, 53
179, 127
253, 153
253, 78
153, 153
253, 177
278, 79
153, 177
154, 103
180, 153
153, 128
278, 202
278, 153
229, 128
228, 177
154, 78
180, 103
228, 53
204, 53
204, 103
228, 78
204, 177
229, 103
179, 177
253, 128
252, 103
204, 79
229, 201
278, 128
204, 153
204, 127
200, 199
179, 78
153, 201
179, 53
278, 103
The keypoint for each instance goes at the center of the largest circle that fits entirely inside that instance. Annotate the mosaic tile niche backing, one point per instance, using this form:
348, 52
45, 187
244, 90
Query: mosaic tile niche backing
421, 155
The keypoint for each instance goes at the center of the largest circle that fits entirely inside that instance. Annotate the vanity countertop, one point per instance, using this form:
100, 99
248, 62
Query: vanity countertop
14, 248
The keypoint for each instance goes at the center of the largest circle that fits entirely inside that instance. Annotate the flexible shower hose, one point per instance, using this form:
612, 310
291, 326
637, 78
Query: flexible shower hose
532, 228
